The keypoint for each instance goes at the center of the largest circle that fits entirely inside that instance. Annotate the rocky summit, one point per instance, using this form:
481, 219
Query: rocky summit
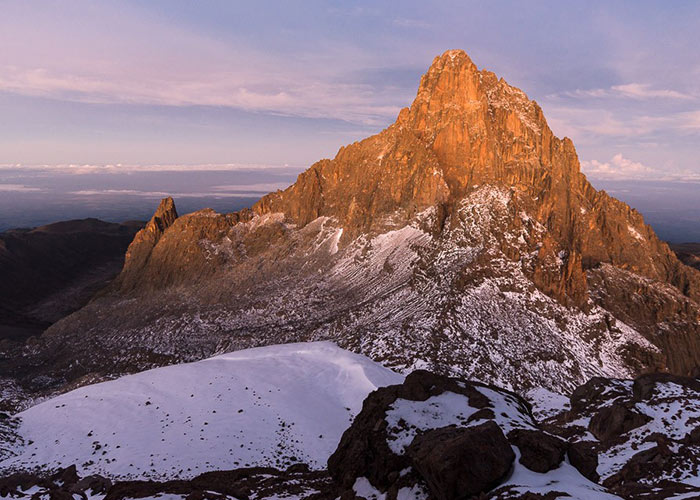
463, 238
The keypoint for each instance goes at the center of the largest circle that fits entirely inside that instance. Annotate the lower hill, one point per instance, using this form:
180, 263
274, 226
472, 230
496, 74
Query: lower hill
688, 253
50, 271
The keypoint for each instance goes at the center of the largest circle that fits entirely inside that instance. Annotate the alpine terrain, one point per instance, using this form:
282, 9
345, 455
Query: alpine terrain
313, 421
462, 239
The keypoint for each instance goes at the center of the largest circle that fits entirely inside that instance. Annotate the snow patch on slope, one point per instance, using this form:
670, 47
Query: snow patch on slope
269, 406
565, 479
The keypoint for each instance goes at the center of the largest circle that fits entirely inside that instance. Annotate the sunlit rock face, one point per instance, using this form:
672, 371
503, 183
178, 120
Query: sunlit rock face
462, 238
467, 128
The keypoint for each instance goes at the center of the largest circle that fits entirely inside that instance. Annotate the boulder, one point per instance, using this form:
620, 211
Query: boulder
457, 462
461, 452
653, 460
539, 451
595, 393
10, 484
66, 476
612, 421
583, 456
644, 386
363, 450
95, 483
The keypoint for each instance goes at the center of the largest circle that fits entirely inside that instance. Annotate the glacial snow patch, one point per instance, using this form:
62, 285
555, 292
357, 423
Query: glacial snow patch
269, 406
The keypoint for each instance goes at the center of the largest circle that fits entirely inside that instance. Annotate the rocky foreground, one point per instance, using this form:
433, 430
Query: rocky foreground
434, 437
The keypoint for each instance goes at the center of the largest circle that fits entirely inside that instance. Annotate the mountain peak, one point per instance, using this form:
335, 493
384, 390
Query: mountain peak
453, 58
452, 75
455, 90
470, 170
467, 129
164, 216
140, 250
464, 128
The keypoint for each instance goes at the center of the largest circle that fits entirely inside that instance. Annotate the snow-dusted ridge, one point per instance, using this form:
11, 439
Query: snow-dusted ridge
269, 406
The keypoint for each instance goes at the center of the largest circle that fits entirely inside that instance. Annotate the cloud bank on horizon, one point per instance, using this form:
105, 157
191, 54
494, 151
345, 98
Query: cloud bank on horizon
179, 83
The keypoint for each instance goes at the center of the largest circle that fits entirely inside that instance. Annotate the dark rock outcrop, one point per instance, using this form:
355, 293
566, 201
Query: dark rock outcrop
539, 451
242, 484
613, 421
649, 385
364, 449
583, 456
50, 271
645, 430
459, 462
457, 455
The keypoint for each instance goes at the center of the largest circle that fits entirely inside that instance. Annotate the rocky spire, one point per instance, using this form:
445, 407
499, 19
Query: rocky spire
140, 250
163, 217
465, 127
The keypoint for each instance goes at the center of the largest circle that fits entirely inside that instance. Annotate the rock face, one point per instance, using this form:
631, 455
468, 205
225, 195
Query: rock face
539, 451
139, 252
468, 128
465, 230
613, 421
461, 462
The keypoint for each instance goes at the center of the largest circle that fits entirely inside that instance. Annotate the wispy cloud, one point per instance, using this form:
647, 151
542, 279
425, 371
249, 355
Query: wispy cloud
264, 187
152, 62
288, 95
580, 122
162, 194
81, 169
621, 168
644, 91
404, 22
19, 188
638, 91
618, 167
689, 120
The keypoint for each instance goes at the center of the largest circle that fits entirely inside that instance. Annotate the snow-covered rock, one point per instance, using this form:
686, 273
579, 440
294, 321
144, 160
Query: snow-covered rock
441, 437
644, 433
